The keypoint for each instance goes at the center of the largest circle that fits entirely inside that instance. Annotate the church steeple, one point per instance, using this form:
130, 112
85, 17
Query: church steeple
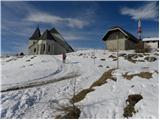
46, 36
36, 34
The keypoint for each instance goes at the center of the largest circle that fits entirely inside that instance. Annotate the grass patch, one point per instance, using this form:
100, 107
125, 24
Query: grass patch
132, 100
102, 80
81, 95
146, 75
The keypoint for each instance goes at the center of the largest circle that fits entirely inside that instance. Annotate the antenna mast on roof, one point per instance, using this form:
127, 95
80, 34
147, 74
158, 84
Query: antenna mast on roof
139, 31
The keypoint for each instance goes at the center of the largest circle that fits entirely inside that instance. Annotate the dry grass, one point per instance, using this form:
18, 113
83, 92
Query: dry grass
103, 79
146, 75
132, 100
81, 95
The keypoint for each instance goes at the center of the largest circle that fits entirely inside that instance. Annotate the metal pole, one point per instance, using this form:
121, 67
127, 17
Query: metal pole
117, 52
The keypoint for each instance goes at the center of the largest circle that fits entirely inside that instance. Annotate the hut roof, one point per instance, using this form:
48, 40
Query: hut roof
127, 34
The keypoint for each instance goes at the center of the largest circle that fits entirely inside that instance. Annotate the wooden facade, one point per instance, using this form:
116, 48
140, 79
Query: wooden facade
118, 39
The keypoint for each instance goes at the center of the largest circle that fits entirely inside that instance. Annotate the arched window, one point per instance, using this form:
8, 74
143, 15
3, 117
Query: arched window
34, 50
49, 48
43, 47
37, 48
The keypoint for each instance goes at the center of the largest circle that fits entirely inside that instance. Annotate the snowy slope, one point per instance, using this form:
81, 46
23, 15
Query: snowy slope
51, 80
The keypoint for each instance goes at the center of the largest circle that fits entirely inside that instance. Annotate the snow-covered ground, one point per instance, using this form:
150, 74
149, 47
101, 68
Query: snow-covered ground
31, 85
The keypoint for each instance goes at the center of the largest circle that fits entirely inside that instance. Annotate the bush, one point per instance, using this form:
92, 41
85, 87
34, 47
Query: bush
21, 54
141, 49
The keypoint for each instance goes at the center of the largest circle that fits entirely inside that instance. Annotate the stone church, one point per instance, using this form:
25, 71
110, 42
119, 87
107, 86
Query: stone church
50, 42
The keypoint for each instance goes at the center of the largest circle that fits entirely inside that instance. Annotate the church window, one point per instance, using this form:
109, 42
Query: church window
49, 48
34, 49
43, 47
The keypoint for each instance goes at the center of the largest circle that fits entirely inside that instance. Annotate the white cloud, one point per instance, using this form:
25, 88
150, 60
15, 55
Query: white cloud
53, 19
148, 11
73, 36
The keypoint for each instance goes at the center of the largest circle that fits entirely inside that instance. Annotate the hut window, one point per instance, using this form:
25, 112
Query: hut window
34, 49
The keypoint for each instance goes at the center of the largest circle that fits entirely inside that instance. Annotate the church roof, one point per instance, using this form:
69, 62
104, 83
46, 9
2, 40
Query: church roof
46, 36
59, 39
36, 34
53, 30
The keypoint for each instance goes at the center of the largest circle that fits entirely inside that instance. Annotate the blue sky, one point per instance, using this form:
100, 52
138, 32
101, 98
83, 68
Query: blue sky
82, 24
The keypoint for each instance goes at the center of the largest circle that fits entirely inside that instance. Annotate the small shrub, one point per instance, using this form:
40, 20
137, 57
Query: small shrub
21, 54
128, 111
134, 98
139, 47
71, 112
